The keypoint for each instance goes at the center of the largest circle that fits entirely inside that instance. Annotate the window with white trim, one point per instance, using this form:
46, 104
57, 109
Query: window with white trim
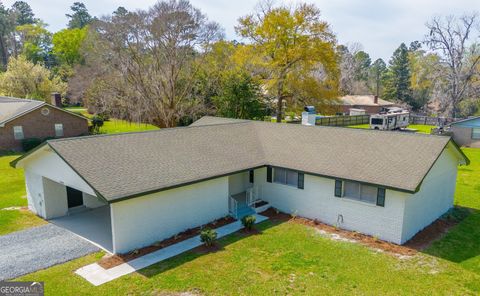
18, 132
58, 130
476, 133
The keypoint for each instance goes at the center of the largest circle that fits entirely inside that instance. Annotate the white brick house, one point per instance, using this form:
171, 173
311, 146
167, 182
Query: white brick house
137, 188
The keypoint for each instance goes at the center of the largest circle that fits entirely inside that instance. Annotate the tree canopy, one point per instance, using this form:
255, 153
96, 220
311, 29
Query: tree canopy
291, 46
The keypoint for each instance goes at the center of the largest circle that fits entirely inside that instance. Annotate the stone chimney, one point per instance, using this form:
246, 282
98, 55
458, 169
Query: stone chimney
56, 100
375, 99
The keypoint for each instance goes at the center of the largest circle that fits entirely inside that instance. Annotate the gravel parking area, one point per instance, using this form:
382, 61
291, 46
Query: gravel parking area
37, 248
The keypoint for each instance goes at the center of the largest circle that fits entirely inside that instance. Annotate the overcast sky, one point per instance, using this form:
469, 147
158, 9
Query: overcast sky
380, 26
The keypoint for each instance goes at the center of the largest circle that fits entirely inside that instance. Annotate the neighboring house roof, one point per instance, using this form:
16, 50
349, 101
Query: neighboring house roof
127, 165
12, 108
465, 120
364, 100
210, 120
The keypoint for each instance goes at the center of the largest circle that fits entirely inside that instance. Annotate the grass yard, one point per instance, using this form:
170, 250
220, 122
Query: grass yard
12, 183
15, 220
287, 258
115, 126
462, 244
424, 129
12, 194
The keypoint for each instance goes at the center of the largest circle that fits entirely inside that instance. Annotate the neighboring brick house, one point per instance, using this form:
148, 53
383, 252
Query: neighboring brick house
24, 119
371, 104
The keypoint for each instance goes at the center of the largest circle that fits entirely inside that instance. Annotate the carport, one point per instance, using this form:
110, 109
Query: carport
79, 212
94, 225
58, 194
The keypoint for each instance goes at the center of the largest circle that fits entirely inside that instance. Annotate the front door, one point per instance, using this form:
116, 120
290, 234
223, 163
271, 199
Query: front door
74, 197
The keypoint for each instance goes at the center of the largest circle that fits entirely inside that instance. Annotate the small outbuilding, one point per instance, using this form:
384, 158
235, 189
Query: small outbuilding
467, 132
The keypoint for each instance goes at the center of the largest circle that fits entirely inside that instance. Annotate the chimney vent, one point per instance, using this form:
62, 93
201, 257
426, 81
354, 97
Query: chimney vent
56, 100
375, 99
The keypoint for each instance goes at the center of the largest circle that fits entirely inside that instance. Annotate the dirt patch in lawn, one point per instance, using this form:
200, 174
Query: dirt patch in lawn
110, 261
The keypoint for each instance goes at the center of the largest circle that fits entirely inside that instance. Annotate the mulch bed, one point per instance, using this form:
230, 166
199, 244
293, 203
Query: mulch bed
419, 242
431, 233
110, 261
275, 215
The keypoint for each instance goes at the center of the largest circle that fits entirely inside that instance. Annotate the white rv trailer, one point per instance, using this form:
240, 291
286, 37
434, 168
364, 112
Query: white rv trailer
394, 118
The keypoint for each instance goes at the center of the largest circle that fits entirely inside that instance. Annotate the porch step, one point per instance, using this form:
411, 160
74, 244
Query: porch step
244, 211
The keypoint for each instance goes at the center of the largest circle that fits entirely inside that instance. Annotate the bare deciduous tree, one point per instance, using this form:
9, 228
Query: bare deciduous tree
146, 61
456, 42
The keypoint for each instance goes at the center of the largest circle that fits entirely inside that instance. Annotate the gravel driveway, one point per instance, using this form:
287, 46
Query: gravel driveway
37, 248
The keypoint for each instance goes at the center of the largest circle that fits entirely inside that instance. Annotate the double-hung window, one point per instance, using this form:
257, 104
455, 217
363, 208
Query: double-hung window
288, 177
18, 132
361, 192
58, 130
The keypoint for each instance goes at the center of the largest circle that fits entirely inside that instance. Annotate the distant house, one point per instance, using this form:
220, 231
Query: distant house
23, 119
126, 191
371, 104
467, 132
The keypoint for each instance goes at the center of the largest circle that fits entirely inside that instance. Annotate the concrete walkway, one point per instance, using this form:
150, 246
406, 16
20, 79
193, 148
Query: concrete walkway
97, 275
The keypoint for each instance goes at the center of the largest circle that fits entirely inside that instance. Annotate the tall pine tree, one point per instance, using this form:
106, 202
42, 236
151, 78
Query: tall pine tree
397, 86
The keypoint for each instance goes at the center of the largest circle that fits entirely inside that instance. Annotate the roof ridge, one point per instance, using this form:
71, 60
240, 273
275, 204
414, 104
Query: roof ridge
170, 129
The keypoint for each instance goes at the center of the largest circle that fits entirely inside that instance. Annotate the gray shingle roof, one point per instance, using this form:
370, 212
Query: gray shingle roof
13, 107
126, 165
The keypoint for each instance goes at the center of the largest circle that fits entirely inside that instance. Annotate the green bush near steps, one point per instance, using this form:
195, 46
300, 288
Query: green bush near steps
248, 222
208, 236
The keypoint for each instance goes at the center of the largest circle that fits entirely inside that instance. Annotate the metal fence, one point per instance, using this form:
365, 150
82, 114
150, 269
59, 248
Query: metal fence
343, 120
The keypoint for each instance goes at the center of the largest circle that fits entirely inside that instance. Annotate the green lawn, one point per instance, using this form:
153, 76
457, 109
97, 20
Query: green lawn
424, 129
115, 126
462, 244
12, 183
12, 194
286, 258
15, 220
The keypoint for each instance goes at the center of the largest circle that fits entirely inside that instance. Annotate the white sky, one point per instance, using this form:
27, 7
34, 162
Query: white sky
380, 26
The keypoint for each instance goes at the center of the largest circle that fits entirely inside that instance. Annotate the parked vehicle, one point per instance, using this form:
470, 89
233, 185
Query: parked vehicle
391, 119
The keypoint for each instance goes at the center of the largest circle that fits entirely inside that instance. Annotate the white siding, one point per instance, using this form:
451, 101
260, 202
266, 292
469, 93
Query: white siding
317, 201
434, 198
143, 220
47, 164
34, 186
55, 199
